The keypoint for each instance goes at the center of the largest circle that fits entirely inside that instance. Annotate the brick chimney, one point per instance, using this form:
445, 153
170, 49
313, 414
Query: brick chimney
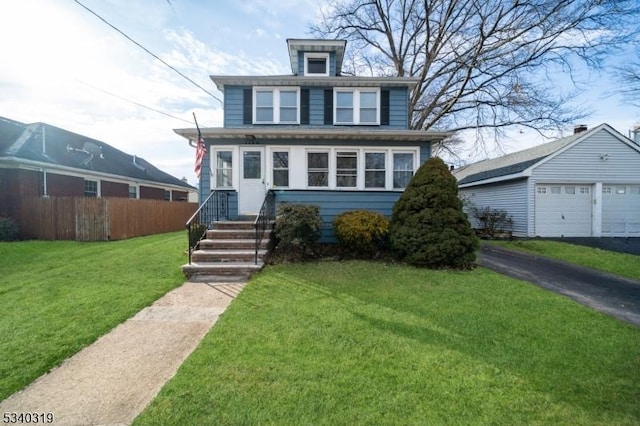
579, 128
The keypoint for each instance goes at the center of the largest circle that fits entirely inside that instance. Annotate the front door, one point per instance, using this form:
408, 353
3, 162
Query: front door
252, 188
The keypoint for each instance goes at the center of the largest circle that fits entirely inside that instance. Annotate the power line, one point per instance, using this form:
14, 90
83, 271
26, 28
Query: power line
134, 102
150, 53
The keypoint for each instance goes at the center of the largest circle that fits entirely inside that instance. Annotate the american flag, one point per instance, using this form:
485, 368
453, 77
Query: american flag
201, 150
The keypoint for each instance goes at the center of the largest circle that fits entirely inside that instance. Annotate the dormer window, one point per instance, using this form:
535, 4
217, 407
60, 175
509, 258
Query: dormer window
316, 64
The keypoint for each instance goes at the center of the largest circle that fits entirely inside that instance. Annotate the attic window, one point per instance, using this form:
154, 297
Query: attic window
316, 64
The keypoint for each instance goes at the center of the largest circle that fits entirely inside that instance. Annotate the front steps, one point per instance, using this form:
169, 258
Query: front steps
227, 253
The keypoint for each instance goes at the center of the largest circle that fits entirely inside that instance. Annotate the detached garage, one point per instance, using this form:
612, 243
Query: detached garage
583, 185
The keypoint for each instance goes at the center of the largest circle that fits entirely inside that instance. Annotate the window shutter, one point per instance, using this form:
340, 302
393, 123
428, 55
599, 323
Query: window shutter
328, 106
247, 106
384, 107
304, 106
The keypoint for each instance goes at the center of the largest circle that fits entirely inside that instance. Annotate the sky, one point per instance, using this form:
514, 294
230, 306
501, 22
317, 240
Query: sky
62, 65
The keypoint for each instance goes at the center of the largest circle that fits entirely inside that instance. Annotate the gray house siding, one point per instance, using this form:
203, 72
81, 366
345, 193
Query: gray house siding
510, 196
332, 203
233, 106
398, 108
582, 163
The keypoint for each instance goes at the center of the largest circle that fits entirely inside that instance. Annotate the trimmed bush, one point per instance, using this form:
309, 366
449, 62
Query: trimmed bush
428, 226
8, 229
297, 230
361, 232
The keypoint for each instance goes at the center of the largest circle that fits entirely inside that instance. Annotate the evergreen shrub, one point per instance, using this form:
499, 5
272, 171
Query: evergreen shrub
297, 230
361, 232
428, 226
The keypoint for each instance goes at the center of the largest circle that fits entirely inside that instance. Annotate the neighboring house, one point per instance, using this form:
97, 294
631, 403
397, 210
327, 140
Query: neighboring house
314, 137
42, 160
583, 185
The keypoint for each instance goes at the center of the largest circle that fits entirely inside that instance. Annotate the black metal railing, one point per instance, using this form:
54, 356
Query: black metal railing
266, 215
214, 208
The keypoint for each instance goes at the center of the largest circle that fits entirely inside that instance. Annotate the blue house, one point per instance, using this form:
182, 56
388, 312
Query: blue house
314, 137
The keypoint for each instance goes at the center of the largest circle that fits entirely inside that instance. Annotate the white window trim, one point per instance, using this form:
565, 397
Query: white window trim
276, 103
214, 168
332, 152
308, 56
364, 169
356, 105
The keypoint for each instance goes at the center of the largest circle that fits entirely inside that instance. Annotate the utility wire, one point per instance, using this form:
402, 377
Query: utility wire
134, 102
149, 52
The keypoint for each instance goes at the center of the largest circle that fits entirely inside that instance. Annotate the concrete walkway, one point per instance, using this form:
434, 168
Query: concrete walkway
114, 379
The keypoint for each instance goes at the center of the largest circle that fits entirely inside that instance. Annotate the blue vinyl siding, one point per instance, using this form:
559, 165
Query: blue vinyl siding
398, 107
233, 102
332, 203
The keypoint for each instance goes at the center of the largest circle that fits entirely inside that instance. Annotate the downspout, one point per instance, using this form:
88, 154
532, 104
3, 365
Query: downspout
44, 171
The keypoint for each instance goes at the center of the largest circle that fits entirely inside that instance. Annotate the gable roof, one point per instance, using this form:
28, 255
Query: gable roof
43, 144
518, 162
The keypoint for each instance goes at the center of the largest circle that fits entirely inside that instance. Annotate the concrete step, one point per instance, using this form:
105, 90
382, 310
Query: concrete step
234, 244
235, 224
231, 234
220, 272
223, 256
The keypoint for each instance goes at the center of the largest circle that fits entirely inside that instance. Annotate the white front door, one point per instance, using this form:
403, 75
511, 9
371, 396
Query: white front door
252, 177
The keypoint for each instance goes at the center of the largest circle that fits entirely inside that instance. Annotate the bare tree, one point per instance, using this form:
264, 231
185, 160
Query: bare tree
628, 77
485, 65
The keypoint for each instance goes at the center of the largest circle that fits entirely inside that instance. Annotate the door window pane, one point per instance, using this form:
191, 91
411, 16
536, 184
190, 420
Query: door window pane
252, 165
402, 169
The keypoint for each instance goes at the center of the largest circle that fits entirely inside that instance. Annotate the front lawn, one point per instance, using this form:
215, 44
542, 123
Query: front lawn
625, 265
368, 343
57, 297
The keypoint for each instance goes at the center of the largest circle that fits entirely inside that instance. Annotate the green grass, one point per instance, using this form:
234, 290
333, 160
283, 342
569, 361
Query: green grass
58, 296
368, 343
625, 265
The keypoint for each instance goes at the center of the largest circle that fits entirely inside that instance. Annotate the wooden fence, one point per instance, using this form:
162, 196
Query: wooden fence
97, 219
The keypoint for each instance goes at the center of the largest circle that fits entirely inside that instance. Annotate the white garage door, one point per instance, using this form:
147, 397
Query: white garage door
621, 210
563, 210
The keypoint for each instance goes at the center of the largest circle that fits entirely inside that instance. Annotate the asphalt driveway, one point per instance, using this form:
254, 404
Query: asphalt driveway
613, 295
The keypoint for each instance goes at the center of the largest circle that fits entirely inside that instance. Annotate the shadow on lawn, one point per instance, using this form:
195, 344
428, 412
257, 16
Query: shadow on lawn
573, 355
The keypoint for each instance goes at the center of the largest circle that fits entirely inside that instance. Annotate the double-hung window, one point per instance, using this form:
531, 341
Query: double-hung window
280, 168
276, 105
346, 169
224, 169
133, 192
357, 106
91, 188
402, 169
318, 169
374, 170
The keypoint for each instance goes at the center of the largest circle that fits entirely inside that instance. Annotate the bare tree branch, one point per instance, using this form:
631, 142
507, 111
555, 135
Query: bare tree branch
484, 65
